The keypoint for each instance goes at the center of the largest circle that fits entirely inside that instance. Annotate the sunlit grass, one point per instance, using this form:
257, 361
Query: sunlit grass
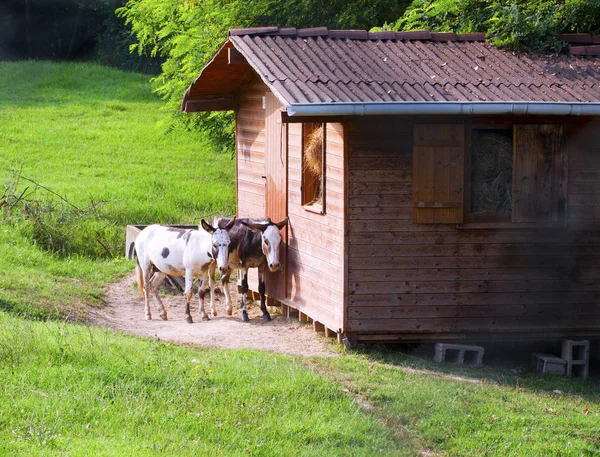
71, 390
91, 135
465, 411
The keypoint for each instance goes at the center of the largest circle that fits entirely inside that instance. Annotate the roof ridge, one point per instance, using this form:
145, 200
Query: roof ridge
349, 34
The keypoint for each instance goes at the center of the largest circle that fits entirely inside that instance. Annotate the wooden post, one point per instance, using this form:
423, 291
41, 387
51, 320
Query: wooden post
318, 327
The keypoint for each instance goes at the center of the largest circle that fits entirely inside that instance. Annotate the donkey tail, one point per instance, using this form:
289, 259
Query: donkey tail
140, 277
132, 254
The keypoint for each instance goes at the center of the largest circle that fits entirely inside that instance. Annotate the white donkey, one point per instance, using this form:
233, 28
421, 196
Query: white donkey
180, 252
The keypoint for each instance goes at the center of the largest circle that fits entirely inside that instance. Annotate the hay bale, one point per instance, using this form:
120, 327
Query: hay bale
313, 151
491, 171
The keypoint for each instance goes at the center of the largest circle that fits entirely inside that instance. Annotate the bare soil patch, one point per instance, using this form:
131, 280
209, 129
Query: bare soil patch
124, 311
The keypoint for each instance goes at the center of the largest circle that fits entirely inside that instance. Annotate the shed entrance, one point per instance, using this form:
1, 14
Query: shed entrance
276, 186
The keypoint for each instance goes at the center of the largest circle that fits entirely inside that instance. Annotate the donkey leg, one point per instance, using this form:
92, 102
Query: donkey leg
225, 285
187, 293
261, 291
244, 292
156, 282
201, 293
211, 284
147, 272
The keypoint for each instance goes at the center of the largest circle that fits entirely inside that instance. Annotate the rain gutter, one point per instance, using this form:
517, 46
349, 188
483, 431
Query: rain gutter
444, 108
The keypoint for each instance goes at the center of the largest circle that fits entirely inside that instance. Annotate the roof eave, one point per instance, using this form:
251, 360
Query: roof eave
444, 108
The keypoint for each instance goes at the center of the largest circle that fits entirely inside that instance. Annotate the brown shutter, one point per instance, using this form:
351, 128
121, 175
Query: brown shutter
438, 173
538, 181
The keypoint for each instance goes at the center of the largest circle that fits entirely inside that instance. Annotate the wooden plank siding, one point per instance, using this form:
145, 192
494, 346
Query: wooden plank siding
250, 152
316, 264
251, 158
426, 282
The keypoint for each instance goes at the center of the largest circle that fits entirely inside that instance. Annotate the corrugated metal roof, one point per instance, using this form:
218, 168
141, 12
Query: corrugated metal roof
321, 66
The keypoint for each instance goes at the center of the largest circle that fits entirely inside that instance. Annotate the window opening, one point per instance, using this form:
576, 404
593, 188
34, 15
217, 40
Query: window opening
491, 160
313, 166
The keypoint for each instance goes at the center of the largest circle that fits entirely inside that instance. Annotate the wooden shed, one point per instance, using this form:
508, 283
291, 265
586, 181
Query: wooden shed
456, 191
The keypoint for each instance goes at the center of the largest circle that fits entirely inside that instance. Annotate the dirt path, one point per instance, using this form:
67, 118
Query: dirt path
124, 311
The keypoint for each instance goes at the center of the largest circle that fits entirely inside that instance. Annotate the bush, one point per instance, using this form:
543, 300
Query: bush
55, 224
518, 24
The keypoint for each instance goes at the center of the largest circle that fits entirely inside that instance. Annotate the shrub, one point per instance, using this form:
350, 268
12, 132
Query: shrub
517, 24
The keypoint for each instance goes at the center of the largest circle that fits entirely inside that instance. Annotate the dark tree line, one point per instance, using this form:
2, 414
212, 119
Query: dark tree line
53, 29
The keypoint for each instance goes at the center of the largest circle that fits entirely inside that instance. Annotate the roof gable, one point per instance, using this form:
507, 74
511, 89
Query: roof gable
322, 68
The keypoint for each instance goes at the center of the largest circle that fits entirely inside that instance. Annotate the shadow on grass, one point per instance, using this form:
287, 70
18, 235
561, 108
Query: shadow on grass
503, 364
28, 312
39, 83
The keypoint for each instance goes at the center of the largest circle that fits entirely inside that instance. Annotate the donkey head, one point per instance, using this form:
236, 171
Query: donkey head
220, 243
271, 239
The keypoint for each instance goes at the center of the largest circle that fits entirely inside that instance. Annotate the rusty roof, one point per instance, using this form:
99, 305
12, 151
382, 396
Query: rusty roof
321, 67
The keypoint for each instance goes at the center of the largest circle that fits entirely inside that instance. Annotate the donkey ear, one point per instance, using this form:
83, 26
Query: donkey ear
255, 226
229, 225
282, 224
206, 226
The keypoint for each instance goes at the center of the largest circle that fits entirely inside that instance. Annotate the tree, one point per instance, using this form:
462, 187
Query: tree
516, 24
187, 33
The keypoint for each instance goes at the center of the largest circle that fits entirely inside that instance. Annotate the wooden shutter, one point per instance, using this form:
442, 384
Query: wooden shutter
438, 173
539, 193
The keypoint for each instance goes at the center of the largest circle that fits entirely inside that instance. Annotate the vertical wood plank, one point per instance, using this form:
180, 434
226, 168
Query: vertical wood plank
276, 187
539, 159
438, 173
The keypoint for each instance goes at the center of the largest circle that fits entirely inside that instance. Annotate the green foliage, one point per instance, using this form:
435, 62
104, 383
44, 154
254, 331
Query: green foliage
515, 24
187, 33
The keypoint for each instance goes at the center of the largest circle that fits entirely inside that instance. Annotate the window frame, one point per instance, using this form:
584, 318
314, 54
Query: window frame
308, 204
470, 220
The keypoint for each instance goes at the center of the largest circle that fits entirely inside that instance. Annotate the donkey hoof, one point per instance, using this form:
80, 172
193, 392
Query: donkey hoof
214, 313
267, 317
148, 317
230, 312
189, 320
245, 316
205, 317
164, 317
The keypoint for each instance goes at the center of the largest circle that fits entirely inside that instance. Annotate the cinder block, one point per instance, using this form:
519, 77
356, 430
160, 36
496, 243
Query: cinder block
458, 353
548, 363
577, 356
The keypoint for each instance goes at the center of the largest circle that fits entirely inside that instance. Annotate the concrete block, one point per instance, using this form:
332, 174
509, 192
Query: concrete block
548, 363
577, 357
459, 353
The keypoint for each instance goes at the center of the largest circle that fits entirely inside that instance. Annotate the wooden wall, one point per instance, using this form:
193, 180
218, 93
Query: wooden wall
446, 281
250, 158
316, 241
584, 176
250, 152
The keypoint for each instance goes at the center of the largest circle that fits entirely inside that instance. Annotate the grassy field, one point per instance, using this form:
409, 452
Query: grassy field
70, 390
90, 135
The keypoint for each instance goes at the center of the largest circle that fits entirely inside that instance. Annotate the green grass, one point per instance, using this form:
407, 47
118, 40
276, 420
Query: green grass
89, 132
460, 411
92, 135
71, 390
77, 391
